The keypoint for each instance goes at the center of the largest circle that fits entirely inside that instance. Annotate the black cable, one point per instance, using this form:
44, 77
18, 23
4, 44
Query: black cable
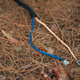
31, 11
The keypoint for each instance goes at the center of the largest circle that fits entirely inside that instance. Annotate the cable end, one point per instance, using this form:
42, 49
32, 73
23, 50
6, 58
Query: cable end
65, 62
78, 62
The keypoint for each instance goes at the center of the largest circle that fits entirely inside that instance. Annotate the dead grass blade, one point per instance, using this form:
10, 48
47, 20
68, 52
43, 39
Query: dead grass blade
10, 37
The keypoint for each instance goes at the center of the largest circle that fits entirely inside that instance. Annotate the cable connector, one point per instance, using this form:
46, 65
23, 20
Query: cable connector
65, 62
78, 62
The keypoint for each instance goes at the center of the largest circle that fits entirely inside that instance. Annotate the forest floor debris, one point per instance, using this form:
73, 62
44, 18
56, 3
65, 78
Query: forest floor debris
18, 60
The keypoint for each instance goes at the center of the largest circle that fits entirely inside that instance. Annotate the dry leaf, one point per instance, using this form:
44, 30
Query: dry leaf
9, 37
50, 50
45, 75
58, 72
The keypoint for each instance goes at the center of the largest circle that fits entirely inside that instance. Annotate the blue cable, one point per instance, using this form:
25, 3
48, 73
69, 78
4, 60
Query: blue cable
38, 49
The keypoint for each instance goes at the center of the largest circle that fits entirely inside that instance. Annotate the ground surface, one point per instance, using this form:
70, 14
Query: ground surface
18, 60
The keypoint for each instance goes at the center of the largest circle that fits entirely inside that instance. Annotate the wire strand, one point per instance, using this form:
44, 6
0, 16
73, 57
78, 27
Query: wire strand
56, 37
38, 49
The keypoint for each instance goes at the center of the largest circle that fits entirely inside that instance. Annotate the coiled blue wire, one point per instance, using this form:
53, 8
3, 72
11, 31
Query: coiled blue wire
38, 49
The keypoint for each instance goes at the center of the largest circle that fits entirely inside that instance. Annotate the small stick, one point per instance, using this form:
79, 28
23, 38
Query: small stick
56, 37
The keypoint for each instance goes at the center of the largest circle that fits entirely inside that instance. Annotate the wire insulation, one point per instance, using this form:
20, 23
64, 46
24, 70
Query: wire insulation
31, 11
38, 49
56, 37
